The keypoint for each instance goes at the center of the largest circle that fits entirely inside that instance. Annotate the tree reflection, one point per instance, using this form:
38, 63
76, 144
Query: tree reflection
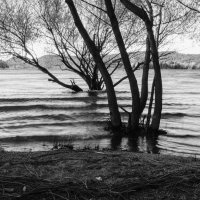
133, 144
116, 141
144, 142
152, 143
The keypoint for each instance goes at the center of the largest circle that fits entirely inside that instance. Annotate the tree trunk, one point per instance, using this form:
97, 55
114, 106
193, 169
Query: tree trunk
140, 12
112, 100
54, 79
145, 76
95, 83
135, 115
34, 62
150, 105
92, 80
155, 124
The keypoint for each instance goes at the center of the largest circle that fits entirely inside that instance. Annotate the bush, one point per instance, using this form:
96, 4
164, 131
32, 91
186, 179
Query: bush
3, 65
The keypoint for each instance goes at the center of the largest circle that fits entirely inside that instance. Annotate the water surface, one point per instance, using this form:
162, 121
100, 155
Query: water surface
32, 106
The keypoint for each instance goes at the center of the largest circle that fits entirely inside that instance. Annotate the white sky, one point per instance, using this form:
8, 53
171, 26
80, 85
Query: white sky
179, 44
185, 45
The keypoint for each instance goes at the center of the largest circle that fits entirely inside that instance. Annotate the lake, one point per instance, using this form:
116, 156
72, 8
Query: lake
34, 113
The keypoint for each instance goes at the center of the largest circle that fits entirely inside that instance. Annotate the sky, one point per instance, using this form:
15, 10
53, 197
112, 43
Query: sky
181, 44
186, 46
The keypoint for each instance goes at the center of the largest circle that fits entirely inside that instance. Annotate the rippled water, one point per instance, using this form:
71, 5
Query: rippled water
32, 106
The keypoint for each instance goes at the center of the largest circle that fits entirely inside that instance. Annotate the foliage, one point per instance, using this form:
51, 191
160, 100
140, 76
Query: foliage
19, 29
179, 65
3, 65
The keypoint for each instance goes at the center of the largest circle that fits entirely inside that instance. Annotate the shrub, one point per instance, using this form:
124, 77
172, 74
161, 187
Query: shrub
3, 65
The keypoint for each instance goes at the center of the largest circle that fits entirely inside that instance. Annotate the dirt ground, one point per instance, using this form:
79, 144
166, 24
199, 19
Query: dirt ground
70, 174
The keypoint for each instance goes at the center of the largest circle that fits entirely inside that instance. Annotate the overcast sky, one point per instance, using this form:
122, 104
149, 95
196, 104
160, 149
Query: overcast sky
179, 44
185, 45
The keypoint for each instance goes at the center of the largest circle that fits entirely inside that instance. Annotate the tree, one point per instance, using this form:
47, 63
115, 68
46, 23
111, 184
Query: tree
192, 5
118, 29
68, 44
145, 77
48, 20
130, 32
136, 108
147, 18
19, 29
162, 20
135, 114
112, 100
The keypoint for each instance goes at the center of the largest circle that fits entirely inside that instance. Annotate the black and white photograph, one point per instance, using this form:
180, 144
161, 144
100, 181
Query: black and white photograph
99, 99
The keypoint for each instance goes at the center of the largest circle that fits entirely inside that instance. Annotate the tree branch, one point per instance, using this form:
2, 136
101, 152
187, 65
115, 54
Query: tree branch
136, 10
189, 7
125, 77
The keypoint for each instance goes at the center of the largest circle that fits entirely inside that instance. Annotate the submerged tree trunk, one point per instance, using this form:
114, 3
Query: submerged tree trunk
52, 78
95, 83
150, 105
142, 14
145, 77
135, 115
73, 86
112, 100
155, 124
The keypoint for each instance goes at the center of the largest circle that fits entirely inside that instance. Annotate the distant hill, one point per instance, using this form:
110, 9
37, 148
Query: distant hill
48, 61
15, 63
179, 57
176, 60
170, 60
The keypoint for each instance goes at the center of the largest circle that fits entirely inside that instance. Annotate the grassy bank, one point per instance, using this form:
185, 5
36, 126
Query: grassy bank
64, 174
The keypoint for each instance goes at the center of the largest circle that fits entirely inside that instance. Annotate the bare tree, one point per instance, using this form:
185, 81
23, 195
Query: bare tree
135, 114
130, 27
47, 20
145, 77
68, 44
70, 47
193, 5
169, 19
162, 20
112, 100
18, 30
147, 18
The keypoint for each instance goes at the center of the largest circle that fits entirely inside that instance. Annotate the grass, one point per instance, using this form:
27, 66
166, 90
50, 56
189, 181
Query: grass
62, 145
94, 174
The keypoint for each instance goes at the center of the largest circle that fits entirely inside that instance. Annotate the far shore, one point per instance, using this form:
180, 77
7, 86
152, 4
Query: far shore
164, 66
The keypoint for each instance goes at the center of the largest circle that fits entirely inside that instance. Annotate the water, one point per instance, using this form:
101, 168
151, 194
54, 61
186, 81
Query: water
41, 112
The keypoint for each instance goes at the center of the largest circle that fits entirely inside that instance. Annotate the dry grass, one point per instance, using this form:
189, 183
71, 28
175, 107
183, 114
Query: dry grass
97, 175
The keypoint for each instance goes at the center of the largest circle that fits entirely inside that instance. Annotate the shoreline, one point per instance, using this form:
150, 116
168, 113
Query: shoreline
141, 144
164, 66
98, 174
